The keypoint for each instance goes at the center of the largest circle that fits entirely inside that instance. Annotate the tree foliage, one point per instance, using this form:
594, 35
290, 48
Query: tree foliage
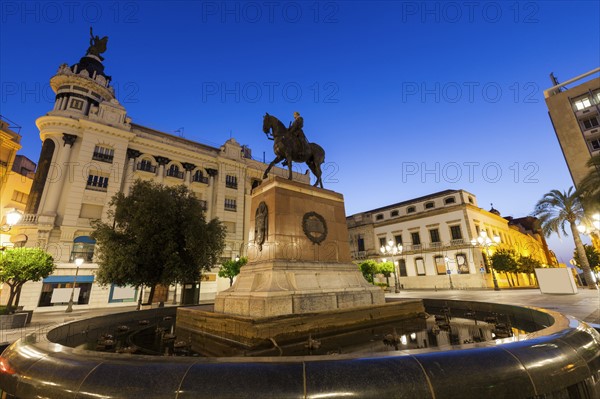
368, 268
528, 264
156, 235
555, 210
593, 257
20, 265
231, 268
504, 261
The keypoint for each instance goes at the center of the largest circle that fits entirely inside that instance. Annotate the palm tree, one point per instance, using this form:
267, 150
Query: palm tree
554, 210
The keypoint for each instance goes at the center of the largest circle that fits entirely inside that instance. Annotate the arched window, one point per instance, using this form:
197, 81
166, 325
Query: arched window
83, 247
173, 171
199, 177
449, 200
411, 209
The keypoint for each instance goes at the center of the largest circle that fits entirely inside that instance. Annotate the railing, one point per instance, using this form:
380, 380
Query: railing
96, 187
200, 179
458, 241
231, 185
87, 256
29, 218
175, 173
146, 167
102, 157
434, 245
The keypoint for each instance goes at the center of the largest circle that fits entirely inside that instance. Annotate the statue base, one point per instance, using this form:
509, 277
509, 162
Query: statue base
219, 334
299, 256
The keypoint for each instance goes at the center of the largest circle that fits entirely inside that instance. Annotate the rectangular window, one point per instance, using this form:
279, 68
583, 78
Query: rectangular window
595, 144
402, 267
382, 242
582, 104
456, 233
360, 242
103, 154
20, 197
590, 122
398, 239
434, 234
231, 181
420, 266
440, 264
97, 183
77, 104
379, 216
230, 204
416, 238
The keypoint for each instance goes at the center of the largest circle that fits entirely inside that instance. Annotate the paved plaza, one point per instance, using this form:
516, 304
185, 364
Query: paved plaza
585, 305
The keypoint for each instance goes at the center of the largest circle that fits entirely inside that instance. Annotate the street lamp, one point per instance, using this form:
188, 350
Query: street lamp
448, 271
485, 242
12, 218
392, 250
78, 262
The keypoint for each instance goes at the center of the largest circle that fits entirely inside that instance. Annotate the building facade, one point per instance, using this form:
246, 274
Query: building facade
91, 151
575, 116
436, 233
16, 176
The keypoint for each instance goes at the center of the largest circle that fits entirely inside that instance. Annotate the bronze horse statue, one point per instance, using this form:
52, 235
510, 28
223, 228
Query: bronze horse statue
287, 147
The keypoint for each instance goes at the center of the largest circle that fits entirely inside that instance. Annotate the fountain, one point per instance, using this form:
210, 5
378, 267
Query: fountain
300, 321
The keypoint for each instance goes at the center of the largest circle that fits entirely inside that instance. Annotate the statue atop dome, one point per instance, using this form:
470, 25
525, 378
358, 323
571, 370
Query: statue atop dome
97, 45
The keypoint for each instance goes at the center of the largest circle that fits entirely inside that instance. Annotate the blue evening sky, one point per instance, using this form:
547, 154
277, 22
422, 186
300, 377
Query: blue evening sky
407, 98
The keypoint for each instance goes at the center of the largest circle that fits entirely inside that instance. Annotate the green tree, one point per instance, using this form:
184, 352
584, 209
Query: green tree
231, 268
528, 264
368, 268
555, 210
593, 257
156, 235
20, 265
385, 268
504, 261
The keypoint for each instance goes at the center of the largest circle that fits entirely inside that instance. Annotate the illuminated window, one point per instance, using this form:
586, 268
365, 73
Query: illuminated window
103, 154
97, 183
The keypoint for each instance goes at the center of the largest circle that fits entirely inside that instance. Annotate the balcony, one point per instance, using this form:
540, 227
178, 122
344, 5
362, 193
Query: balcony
200, 179
457, 242
175, 173
108, 158
436, 245
233, 185
145, 167
87, 256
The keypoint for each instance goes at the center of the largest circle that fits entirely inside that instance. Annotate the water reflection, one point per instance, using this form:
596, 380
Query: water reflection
434, 331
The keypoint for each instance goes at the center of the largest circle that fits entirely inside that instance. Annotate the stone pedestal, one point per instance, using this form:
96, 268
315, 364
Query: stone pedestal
298, 256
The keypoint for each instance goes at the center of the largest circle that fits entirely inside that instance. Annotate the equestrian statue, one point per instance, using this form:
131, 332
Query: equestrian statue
291, 146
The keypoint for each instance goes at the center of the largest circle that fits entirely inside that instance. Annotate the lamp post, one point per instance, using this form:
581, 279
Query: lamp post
12, 218
392, 250
448, 271
485, 242
78, 262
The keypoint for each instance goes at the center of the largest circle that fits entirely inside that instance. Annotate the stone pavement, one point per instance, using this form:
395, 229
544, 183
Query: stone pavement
585, 305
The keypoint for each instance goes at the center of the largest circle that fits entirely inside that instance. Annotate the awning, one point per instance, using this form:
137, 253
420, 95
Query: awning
69, 279
85, 240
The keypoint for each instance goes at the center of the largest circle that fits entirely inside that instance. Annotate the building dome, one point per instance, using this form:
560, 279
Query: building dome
493, 210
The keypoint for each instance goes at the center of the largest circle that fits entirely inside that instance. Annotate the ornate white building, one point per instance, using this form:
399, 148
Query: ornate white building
435, 232
92, 150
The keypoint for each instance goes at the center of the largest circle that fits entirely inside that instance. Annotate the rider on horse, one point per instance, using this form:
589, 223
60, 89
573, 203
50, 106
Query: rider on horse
296, 129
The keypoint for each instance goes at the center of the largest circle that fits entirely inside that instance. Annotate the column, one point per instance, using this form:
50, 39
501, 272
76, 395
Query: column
132, 155
162, 161
213, 190
55, 187
188, 172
